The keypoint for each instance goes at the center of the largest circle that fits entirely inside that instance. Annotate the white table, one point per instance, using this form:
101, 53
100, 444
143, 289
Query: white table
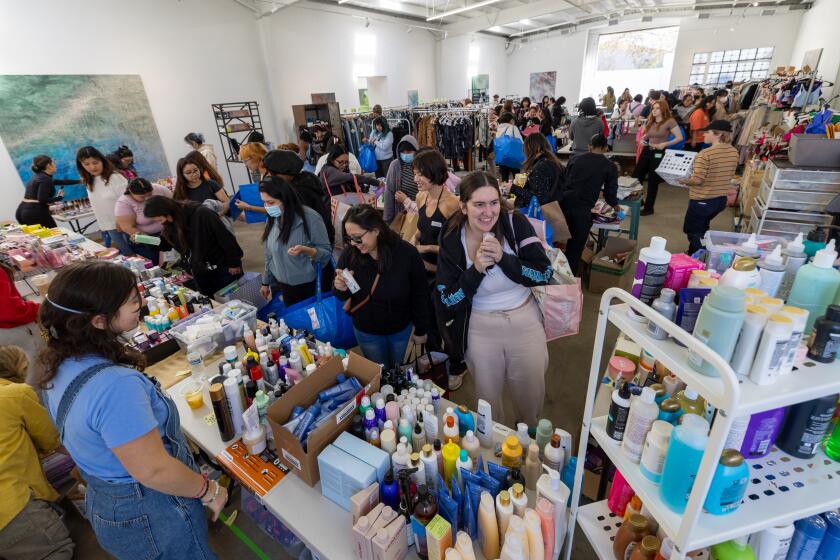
321, 524
74, 220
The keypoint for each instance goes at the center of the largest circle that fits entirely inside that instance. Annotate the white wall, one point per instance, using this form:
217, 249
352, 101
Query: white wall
320, 50
459, 58
189, 53
819, 30
561, 53
715, 34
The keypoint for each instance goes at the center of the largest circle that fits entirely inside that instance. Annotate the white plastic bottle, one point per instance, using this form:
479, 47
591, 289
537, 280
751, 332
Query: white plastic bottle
504, 511
400, 459
429, 460
553, 455
471, 445
522, 435
800, 318
795, 257
772, 543
565, 443
643, 413
550, 487
655, 450
651, 270
463, 462
518, 499
772, 350
755, 317
772, 271
484, 424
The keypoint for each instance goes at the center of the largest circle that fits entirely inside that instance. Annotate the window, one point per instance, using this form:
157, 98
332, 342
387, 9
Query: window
717, 68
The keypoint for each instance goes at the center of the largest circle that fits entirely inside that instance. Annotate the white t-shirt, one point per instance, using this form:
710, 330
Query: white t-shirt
496, 292
103, 199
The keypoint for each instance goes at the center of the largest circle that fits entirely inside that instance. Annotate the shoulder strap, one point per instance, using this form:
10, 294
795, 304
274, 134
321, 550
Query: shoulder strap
367, 298
72, 391
525, 242
326, 183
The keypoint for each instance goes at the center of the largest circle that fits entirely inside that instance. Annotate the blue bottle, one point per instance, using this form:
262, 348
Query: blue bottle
729, 484
568, 477
688, 442
670, 411
830, 546
807, 538
390, 491
465, 420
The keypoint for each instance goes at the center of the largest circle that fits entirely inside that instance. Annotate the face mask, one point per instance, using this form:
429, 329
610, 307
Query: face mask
274, 211
407, 158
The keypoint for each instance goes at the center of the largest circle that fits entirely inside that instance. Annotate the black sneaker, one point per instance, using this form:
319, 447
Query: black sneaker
646, 212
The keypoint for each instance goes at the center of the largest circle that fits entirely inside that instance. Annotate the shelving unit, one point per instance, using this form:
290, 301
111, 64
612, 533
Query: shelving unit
782, 488
234, 123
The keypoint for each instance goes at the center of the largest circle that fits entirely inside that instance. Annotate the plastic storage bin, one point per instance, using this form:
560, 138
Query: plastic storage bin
251, 506
721, 247
233, 316
246, 288
814, 150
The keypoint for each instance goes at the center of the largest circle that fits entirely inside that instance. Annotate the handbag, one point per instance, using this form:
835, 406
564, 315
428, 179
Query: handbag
367, 158
322, 315
509, 151
561, 306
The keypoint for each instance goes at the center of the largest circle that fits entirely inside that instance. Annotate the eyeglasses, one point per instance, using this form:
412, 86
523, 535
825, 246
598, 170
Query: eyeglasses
342, 161
193, 172
357, 240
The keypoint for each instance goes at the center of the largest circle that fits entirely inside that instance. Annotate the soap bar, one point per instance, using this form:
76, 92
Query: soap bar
438, 537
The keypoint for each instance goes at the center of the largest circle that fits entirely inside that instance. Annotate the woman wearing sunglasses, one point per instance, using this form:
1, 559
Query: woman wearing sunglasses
393, 296
489, 258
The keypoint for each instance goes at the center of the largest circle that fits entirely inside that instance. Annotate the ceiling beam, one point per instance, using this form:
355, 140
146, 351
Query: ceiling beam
507, 17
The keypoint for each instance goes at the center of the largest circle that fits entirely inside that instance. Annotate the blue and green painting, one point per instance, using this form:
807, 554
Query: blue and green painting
58, 114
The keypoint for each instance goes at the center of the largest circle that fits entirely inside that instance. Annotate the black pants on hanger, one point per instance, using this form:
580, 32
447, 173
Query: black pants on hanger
649, 160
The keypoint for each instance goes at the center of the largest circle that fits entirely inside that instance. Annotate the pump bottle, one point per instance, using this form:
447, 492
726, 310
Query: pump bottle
552, 489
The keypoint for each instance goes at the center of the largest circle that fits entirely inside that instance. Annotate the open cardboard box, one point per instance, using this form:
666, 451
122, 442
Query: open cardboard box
290, 451
604, 273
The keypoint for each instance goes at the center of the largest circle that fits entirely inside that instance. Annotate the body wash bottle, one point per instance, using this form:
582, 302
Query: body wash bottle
718, 326
815, 286
685, 451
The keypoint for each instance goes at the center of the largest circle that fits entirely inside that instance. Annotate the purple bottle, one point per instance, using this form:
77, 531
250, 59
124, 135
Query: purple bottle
762, 432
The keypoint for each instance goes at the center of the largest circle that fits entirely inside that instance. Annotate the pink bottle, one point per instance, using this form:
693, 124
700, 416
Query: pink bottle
546, 512
620, 494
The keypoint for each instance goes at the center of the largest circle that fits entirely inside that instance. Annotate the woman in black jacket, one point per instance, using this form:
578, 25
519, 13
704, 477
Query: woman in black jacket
337, 179
544, 171
40, 193
489, 258
393, 295
199, 235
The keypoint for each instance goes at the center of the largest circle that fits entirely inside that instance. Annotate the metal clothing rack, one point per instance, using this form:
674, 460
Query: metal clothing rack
234, 123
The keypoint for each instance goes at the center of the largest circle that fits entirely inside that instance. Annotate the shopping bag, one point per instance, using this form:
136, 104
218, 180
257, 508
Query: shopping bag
554, 217
323, 315
535, 216
367, 158
561, 306
509, 151
405, 224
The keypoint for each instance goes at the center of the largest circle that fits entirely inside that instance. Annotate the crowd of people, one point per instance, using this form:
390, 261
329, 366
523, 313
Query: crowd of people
460, 284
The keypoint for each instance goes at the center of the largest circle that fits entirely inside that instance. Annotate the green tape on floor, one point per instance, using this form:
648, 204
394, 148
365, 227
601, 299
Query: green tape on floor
244, 538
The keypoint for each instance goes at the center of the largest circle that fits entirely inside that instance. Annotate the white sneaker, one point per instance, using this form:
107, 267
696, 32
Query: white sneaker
455, 381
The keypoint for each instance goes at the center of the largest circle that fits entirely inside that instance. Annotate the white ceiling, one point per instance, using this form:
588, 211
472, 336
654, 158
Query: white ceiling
519, 18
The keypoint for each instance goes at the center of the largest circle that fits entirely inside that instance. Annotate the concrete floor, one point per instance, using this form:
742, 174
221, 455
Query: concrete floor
569, 360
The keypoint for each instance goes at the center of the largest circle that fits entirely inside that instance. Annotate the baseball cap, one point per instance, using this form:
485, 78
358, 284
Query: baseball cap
719, 125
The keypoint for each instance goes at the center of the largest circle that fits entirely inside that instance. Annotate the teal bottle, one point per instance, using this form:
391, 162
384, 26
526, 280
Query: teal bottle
816, 285
718, 326
688, 442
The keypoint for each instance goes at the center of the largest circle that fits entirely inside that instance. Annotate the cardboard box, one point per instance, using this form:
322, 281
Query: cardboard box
604, 273
290, 451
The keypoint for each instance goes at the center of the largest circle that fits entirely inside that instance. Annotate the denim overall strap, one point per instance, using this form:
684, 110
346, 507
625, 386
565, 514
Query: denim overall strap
173, 437
72, 391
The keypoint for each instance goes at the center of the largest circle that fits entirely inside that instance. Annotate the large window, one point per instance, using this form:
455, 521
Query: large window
719, 67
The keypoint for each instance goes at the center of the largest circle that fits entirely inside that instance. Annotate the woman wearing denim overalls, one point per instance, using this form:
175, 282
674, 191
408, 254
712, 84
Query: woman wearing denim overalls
145, 497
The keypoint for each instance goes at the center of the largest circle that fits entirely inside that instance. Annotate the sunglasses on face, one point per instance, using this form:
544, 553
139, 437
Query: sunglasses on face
356, 239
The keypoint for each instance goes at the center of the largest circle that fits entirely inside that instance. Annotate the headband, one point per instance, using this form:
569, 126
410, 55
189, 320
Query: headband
67, 309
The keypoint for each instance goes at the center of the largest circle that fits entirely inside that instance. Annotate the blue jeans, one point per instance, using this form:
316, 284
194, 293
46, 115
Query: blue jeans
118, 239
385, 349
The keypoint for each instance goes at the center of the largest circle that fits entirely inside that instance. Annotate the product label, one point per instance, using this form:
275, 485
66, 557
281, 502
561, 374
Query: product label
694, 357
832, 346
313, 318
628, 552
782, 552
291, 459
617, 421
348, 410
815, 431
793, 344
779, 353
650, 278
731, 496
653, 458
634, 438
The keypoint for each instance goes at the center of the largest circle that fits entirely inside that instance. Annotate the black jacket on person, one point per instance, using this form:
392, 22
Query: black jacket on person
312, 194
41, 187
212, 245
456, 284
401, 297
585, 176
542, 179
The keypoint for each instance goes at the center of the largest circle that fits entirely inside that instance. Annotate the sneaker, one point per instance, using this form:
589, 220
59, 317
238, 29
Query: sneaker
455, 381
646, 212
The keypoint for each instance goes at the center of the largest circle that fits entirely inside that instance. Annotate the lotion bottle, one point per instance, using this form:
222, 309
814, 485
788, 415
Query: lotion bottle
484, 424
546, 512
552, 489
430, 465
536, 547
504, 511
553, 454
518, 499
643, 413
488, 527
472, 446
533, 467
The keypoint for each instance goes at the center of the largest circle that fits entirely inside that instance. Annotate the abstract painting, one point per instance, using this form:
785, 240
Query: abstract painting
58, 114
542, 84
413, 98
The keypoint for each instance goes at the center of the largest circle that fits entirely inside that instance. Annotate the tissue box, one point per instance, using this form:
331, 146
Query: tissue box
366, 453
679, 271
343, 475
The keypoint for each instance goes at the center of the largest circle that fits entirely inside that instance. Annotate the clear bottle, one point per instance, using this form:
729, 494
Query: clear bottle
691, 402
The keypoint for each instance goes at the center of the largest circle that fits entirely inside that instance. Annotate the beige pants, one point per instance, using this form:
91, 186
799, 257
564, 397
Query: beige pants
509, 347
36, 532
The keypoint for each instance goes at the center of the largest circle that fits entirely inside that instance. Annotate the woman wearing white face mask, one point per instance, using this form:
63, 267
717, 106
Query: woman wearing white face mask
295, 238
488, 260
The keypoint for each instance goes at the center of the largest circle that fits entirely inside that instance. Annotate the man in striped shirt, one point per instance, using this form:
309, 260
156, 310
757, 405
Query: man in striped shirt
709, 183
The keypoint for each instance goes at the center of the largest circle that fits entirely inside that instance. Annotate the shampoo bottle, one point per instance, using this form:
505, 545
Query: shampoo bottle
728, 484
805, 426
552, 489
619, 411
518, 499
718, 326
772, 543
736, 549
643, 413
554, 455
504, 511
771, 269
665, 306
815, 286
762, 432
488, 527
795, 257
688, 442
651, 270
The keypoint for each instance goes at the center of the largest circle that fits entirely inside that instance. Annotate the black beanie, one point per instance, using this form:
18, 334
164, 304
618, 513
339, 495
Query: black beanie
285, 162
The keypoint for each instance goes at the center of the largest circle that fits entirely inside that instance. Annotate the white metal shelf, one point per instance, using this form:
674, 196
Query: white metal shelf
600, 526
810, 380
782, 489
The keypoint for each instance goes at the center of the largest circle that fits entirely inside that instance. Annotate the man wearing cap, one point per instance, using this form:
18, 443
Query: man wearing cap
288, 165
710, 181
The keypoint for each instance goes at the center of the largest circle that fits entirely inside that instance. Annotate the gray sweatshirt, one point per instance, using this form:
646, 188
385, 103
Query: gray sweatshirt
280, 267
582, 131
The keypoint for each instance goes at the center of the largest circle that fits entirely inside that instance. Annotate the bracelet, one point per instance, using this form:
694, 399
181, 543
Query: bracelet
204, 485
215, 495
